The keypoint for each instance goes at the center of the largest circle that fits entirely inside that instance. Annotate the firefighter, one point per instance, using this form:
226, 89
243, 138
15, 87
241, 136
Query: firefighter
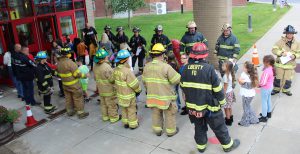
69, 73
111, 36
160, 79
127, 88
286, 46
204, 98
159, 37
227, 47
105, 84
120, 38
191, 37
137, 44
43, 74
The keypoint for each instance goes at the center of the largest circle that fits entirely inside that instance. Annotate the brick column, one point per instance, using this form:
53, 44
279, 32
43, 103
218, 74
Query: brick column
210, 16
90, 12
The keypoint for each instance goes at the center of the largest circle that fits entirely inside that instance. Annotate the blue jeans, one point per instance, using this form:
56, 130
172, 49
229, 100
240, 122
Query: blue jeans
17, 83
266, 101
28, 91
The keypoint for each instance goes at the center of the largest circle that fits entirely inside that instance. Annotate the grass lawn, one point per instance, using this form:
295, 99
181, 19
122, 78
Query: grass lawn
174, 23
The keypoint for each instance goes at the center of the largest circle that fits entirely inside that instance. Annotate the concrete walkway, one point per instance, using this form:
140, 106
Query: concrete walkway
66, 135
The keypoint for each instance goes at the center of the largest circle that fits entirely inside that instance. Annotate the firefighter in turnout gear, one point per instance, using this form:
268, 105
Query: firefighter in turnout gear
227, 47
286, 46
137, 44
105, 84
159, 37
160, 79
204, 98
43, 74
191, 37
127, 88
69, 73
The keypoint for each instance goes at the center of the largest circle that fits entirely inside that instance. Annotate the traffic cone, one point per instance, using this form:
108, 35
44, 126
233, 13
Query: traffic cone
30, 119
255, 58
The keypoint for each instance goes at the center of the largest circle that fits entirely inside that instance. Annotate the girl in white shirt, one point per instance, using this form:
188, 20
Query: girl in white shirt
248, 82
228, 79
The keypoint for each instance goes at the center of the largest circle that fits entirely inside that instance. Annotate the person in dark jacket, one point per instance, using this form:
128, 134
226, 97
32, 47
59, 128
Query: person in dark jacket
14, 54
120, 38
138, 44
204, 98
109, 33
25, 73
227, 47
191, 37
43, 74
159, 37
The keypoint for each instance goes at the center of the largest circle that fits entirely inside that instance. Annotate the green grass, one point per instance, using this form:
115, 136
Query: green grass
174, 23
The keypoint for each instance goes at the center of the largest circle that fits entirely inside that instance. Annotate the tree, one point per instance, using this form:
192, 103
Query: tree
126, 6
210, 16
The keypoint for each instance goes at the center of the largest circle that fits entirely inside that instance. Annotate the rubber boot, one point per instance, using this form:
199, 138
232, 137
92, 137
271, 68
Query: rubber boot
231, 118
177, 130
70, 114
288, 93
228, 122
274, 92
236, 143
202, 150
126, 126
83, 115
184, 111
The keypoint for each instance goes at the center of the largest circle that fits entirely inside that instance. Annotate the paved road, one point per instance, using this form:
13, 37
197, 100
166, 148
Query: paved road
270, 1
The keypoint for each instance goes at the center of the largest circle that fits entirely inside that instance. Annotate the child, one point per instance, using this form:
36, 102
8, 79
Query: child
43, 74
266, 85
248, 82
93, 48
81, 47
84, 82
228, 79
173, 63
103, 75
184, 60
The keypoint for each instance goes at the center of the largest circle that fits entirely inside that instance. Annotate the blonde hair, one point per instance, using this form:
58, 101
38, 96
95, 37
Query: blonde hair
104, 38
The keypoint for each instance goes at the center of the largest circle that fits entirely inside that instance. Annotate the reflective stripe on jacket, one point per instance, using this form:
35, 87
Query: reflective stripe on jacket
126, 84
160, 79
104, 79
189, 40
43, 74
280, 47
202, 87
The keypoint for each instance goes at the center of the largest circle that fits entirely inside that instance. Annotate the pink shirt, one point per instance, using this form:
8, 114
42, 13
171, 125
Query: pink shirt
267, 78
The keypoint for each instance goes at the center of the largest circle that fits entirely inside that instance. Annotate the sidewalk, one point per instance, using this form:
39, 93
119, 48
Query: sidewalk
65, 135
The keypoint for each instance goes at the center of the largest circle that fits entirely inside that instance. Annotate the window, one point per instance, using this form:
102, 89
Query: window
63, 5
79, 4
43, 6
66, 25
80, 21
20, 8
25, 34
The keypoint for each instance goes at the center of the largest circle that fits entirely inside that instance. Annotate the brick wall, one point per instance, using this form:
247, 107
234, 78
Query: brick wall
172, 5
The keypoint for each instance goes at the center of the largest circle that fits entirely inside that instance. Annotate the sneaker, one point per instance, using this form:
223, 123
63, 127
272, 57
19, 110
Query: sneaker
269, 115
83, 115
177, 130
236, 143
263, 119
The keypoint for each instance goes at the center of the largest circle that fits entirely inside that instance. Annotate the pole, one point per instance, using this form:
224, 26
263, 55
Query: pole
274, 5
250, 23
181, 2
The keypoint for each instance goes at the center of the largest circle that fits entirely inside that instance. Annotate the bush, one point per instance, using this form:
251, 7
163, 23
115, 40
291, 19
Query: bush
8, 115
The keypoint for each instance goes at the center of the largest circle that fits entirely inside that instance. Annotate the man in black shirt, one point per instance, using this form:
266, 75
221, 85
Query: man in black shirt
89, 33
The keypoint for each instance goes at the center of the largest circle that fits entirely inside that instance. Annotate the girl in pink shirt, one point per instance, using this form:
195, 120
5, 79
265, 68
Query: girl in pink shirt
266, 85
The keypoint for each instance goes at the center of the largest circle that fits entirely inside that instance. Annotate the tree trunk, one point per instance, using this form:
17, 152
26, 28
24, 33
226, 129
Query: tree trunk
210, 16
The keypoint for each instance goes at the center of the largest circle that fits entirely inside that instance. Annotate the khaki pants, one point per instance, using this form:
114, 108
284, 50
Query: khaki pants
74, 100
283, 79
129, 114
170, 119
109, 109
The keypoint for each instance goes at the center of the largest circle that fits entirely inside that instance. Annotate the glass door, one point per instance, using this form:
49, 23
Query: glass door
46, 32
66, 25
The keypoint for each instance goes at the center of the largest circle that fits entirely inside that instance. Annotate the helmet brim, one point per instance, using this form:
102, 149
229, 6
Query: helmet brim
194, 56
290, 32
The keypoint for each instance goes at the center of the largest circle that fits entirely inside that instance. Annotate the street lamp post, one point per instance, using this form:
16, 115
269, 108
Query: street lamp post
181, 2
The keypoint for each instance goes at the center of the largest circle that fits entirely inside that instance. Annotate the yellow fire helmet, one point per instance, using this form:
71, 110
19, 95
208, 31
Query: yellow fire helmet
158, 48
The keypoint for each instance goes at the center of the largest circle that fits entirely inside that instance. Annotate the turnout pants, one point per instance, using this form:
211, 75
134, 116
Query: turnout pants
129, 114
47, 103
74, 99
140, 59
217, 124
109, 109
283, 79
170, 119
